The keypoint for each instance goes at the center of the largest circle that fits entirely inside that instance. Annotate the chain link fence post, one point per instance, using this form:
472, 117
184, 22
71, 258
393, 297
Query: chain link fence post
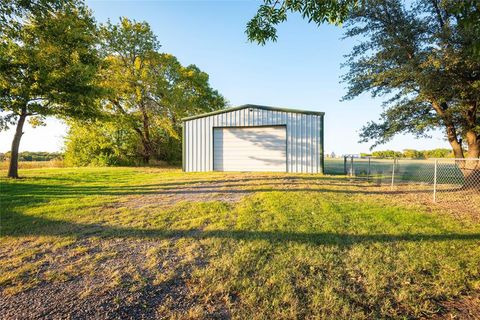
435, 181
352, 172
393, 174
368, 172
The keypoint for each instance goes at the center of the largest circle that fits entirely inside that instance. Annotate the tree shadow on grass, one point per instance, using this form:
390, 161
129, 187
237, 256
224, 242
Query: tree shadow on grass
17, 195
42, 193
15, 224
191, 179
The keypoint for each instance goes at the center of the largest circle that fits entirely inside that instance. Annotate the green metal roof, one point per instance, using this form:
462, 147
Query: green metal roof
253, 106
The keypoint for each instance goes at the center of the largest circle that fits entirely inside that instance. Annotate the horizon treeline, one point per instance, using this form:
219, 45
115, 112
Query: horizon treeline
411, 154
33, 156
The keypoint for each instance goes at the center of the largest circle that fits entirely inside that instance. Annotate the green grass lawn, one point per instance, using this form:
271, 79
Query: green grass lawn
165, 243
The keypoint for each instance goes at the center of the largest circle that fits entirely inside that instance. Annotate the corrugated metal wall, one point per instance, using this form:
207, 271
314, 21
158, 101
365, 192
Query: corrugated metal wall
304, 137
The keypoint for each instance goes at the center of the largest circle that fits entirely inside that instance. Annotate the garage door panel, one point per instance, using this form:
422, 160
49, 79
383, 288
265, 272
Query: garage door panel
250, 149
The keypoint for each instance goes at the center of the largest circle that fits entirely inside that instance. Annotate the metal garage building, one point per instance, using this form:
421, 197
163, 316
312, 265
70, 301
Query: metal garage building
254, 138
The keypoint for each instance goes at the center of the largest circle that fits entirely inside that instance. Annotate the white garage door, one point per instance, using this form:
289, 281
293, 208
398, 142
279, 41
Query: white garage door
250, 149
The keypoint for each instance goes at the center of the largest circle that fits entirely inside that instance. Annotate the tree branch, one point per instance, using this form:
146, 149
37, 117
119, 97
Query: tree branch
441, 22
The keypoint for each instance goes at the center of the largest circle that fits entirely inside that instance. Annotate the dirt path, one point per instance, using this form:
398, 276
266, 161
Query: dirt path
119, 288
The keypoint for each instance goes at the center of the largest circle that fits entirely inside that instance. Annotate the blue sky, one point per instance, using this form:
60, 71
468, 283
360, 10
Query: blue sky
301, 70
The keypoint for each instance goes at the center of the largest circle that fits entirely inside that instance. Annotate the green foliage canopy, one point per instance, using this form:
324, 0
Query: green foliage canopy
100, 143
262, 27
148, 92
420, 57
48, 64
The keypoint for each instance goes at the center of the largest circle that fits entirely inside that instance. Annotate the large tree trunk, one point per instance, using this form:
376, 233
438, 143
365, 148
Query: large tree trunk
146, 150
471, 174
450, 128
473, 144
146, 145
13, 167
146, 141
454, 142
471, 166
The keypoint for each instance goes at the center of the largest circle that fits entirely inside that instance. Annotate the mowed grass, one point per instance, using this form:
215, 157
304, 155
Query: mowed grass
323, 250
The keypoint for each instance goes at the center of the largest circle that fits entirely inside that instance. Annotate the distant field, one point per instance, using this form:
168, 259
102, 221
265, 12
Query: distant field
33, 164
143, 242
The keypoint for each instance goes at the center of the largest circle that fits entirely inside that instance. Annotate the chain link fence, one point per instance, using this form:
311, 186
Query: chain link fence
449, 180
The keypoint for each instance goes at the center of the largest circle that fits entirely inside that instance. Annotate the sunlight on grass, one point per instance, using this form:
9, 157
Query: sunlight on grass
324, 250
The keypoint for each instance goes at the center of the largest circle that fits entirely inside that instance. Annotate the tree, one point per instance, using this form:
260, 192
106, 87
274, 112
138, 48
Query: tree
438, 153
100, 143
148, 90
11, 9
48, 65
468, 20
413, 154
422, 58
261, 28
387, 154
425, 57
